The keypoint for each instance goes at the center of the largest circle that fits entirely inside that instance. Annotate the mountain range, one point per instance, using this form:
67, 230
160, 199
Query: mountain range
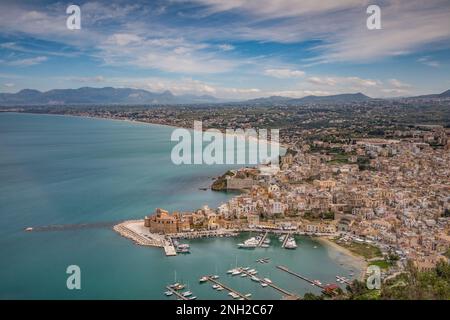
107, 95
128, 96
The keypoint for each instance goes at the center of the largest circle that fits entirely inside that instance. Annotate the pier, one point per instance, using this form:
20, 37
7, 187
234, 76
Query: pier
175, 292
261, 241
227, 288
67, 227
285, 269
286, 238
285, 293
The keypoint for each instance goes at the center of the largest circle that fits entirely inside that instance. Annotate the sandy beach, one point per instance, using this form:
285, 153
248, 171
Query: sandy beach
346, 256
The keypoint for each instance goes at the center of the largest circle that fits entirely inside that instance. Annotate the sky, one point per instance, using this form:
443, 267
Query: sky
230, 49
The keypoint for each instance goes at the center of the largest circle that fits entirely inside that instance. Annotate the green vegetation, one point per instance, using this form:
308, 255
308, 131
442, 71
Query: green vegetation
363, 249
383, 264
220, 184
410, 285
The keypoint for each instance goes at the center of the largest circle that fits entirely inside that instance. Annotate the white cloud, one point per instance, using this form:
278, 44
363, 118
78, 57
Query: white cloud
429, 62
9, 85
347, 81
226, 47
27, 61
284, 73
398, 84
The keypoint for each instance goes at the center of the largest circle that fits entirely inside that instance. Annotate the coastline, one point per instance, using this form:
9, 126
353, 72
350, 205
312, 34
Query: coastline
353, 259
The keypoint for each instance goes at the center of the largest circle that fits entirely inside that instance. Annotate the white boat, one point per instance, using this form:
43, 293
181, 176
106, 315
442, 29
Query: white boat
249, 243
246, 268
243, 275
263, 284
236, 272
29, 229
251, 270
267, 280
231, 271
215, 276
193, 298
168, 293
248, 295
281, 238
187, 293
266, 241
254, 279
215, 286
264, 245
219, 288
203, 279
291, 244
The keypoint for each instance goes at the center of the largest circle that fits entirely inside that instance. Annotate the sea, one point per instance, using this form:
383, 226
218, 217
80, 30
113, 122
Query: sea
60, 172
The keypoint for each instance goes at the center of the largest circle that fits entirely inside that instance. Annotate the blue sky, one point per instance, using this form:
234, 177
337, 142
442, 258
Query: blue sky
230, 49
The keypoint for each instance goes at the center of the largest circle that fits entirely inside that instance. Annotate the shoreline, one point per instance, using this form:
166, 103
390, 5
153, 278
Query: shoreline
358, 261
281, 145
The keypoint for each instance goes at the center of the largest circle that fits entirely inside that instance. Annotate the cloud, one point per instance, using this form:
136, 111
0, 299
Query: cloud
27, 61
226, 47
9, 85
429, 62
347, 81
284, 73
398, 84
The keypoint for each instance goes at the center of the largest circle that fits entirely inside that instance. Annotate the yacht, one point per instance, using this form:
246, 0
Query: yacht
215, 277
263, 284
215, 286
254, 279
168, 293
203, 279
267, 280
249, 243
187, 293
291, 244
236, 272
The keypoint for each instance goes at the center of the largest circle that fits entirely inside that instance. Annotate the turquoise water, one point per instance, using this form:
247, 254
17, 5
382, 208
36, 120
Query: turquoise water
67, 170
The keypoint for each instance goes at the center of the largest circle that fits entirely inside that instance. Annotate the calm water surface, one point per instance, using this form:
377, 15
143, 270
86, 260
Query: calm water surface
68, 170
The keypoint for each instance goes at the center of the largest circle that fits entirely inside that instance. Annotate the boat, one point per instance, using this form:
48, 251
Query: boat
253, 278
192, 298
246, 268
263, 284
215, 286
317, 282
219, 288
253, 272
203, 279
231, 271
215, 277
187, 293
264, 245
267, 241
168, 293
29, 229
249, 243
281, 238
248, 295
179, 287
290, 244
267, 280
236, 272
243, 275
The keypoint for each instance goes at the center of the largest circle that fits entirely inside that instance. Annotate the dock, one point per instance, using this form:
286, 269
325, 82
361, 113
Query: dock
285, 269
285, 293
175, 292
227, 288
169, 248
261, 241
286, 238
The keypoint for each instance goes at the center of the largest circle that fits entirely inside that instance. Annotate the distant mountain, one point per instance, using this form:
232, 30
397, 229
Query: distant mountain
445, 94
107, 95
340, 98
